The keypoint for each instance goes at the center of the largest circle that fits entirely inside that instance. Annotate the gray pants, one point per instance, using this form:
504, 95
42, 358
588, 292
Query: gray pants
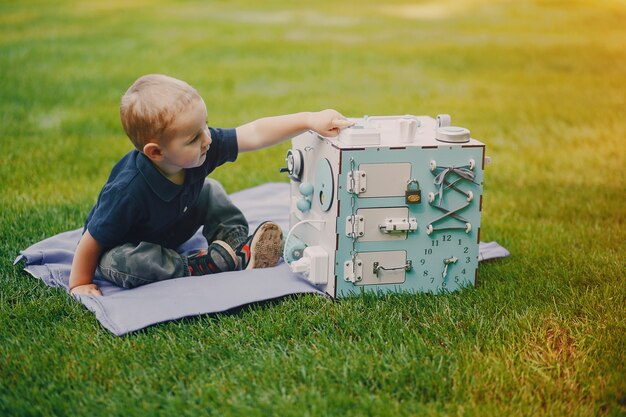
131, 265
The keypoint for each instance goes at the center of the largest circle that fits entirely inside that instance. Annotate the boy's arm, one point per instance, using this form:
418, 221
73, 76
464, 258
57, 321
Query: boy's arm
269, 131
84, 265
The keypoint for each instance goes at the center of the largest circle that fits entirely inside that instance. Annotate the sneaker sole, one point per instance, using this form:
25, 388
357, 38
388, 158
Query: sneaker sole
266, 247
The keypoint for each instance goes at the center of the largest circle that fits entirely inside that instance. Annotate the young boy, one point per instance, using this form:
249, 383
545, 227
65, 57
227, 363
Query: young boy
157, 195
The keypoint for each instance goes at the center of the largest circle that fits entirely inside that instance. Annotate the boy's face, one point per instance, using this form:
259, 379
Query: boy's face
186, 141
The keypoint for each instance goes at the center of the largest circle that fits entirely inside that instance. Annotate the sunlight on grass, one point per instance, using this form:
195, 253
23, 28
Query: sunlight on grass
432, 10
83, 8
540, 82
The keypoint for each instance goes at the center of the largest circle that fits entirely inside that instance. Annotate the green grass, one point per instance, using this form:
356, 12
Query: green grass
541, 83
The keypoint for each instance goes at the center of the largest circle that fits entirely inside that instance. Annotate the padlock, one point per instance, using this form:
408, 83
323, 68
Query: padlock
413, 194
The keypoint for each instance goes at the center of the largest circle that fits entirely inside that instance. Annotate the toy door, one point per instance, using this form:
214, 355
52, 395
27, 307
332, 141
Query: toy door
385, 180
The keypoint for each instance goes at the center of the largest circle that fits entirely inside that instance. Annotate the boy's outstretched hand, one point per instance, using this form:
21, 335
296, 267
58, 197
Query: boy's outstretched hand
269, 131
87, 289
328, 122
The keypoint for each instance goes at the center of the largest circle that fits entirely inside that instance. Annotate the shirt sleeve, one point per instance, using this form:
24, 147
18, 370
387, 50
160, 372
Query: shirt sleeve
113, 216
223, 148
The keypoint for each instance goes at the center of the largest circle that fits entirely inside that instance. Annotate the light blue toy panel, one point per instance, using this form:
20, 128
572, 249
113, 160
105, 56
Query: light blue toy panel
428, 253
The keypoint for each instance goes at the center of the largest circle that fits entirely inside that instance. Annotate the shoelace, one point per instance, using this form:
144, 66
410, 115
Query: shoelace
463, 173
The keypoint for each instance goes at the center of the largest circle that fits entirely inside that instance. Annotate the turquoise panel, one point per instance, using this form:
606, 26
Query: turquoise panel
427, 252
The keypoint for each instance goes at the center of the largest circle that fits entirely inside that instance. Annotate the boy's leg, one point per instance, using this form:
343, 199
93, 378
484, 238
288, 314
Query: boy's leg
133, 265
222, 220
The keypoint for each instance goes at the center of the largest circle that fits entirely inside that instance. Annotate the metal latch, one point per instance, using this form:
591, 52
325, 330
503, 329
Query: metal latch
353, 271
392, 225
357, 182
355, 226
407, 267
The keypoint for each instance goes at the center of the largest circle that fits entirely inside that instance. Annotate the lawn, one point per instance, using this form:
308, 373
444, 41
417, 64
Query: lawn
542, 83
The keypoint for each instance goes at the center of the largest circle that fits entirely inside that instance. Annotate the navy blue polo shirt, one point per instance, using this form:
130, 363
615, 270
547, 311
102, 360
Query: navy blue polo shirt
138, 203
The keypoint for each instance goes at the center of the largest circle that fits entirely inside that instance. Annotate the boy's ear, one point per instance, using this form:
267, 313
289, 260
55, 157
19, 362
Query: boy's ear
153, 151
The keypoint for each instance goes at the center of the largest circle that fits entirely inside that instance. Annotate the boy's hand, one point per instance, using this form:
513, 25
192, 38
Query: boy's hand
269, 131
87, 289
328, 122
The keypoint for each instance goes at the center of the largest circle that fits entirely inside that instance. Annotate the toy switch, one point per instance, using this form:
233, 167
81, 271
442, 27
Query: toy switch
313, 265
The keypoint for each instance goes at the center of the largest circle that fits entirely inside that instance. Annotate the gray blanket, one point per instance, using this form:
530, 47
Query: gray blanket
122, 311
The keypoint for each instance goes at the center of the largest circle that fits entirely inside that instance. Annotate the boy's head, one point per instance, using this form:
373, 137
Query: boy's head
150, 106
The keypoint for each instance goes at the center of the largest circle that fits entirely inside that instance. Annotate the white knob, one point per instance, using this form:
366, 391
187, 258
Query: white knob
443, 120
452, 134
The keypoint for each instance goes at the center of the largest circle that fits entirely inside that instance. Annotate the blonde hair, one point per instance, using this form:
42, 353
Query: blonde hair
151, 104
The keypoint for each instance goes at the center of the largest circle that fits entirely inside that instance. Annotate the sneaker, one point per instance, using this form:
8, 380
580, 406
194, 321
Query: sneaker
218, 257
263, 248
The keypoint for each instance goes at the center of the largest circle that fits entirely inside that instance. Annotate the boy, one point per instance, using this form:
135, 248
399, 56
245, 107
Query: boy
158, 195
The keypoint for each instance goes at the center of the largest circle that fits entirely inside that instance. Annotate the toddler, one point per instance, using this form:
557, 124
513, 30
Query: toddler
158, 194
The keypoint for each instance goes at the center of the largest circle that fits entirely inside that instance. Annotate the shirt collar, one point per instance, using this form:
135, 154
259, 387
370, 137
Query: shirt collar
165, 189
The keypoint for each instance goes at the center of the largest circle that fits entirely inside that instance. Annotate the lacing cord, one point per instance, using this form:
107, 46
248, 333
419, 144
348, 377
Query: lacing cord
452, 213
440, 179
463, 173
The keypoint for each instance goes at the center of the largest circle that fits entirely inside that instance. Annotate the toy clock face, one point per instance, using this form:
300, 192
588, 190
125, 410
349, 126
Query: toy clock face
449, 261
